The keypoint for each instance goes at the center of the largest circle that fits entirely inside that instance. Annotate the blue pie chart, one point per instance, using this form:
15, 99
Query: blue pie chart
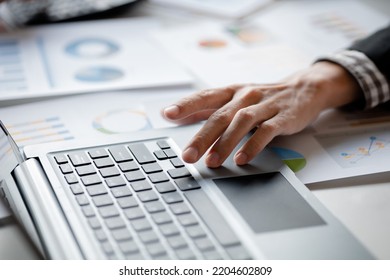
91, 48
96, 74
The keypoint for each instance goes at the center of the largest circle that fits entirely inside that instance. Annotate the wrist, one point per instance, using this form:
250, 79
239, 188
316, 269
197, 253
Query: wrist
333, 85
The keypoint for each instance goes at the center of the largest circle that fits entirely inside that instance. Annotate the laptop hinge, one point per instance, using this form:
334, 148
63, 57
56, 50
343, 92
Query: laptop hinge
47, 217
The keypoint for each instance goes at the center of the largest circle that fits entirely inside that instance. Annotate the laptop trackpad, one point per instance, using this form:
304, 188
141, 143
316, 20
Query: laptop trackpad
268, 202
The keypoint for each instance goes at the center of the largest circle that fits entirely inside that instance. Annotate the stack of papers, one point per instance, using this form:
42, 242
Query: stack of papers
84, 57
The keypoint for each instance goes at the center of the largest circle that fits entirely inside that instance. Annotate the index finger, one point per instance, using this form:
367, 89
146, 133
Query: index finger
204, 100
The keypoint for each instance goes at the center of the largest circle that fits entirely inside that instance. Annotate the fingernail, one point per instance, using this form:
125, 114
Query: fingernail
190, 155
241, 158
213, 159
171, 111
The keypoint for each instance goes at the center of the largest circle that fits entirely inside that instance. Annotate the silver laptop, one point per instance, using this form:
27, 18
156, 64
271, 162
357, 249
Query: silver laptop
134, 198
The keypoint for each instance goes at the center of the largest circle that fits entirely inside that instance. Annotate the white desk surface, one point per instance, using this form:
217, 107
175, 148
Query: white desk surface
362, 204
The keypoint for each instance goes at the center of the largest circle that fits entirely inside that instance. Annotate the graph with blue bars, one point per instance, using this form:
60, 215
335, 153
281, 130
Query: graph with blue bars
12, 73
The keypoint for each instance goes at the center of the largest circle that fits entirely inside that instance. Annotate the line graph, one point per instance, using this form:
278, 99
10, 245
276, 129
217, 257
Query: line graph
374, 145
354, 149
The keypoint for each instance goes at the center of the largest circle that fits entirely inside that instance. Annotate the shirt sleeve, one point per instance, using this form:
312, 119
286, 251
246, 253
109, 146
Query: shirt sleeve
370, 79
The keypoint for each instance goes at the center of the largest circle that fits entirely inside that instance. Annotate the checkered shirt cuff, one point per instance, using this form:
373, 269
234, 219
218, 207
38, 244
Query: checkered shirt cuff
373, 83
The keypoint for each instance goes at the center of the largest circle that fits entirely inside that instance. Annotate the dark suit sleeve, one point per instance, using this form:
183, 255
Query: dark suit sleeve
377, 48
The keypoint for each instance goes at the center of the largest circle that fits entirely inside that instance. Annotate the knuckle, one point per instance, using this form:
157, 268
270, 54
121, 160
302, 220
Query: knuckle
246, 115
270, 128
252, 93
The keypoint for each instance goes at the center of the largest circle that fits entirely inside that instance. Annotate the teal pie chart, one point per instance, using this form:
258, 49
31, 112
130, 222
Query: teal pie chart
97, 74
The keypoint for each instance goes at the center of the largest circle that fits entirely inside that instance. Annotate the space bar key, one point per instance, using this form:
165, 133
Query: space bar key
212, 217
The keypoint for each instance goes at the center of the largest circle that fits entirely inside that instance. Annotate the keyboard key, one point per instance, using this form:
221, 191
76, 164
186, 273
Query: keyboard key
176, 162
212, 255
169, 229
88, 211
120, 154
107, 248
172, 197
161, 218
60, 159
79, 158
179, 173
141, 153
134, 213
204, 244
128, 247
156, 249
96, 190
109, 171
187, 220
82, 199
91, 180
186, 184
121, 192
132, 176
102, 200
154, 207
127, 202
98, 153
151, 168
115, 222
170, 153
85, 170
71, 178
100, 235
177, 242
94, 223
128, 166
121, 234
159, 177
116, 181
179, 208
163, 144
159, 154
108, 211
165, 187
66, 168
141, 186
76, 189
147, 196
185, 254
141, 224
149, 236
103, 162
195, 231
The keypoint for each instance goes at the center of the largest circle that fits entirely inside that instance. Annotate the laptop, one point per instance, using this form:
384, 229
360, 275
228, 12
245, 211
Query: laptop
132, 197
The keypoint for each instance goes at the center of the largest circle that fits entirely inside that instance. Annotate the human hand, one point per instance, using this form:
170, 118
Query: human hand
274, 109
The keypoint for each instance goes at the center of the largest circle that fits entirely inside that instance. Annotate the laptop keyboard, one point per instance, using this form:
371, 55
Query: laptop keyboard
142, 202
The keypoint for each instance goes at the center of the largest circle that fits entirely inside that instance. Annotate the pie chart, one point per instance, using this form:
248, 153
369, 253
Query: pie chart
91, 48
96, 74
121, 121
294, 160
